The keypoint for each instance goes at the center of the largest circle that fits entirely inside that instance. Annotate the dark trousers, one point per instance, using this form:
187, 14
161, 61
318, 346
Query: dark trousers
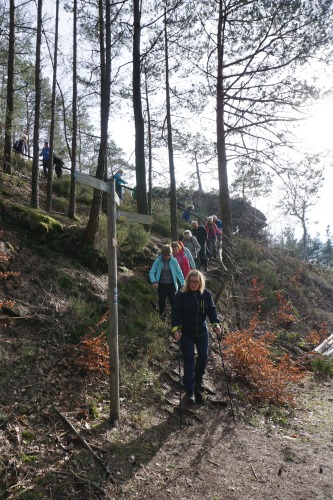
46, 167
202, 257
164, 292
212, 247
194, 371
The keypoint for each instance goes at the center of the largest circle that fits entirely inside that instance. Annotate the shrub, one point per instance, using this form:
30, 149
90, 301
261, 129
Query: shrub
162, 225
250, 359
322, 366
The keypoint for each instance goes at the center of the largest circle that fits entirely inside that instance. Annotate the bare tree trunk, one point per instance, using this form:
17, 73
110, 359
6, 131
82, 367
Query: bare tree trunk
198, 173
72, 196
105, 59
221, 150
10, 92
35, 166
140, 168
305, 239
173, 192
150, 158
53, 101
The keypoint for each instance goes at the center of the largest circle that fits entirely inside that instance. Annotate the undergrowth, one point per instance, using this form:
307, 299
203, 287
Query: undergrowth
270, 375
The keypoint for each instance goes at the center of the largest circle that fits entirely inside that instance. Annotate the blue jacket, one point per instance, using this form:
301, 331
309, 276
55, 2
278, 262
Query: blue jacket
190, 311
118, 179
155, 272
188, 254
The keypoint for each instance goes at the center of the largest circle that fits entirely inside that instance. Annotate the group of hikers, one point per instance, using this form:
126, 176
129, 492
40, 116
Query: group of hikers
208, 236
176, 276
21, 146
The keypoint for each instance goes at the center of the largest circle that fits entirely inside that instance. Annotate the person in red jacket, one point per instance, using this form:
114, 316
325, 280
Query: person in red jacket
212, 232
181, 258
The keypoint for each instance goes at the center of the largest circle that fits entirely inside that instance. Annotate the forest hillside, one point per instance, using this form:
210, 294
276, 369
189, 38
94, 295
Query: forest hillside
270, 434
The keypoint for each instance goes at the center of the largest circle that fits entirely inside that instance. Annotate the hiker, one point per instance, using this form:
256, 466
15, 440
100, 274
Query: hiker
164, 276
45, 153
187, 254
191, 308
58, 166
187, 213
192, 244
212, 232
179, 255
218, 222
201, 235
21, 145
119, 182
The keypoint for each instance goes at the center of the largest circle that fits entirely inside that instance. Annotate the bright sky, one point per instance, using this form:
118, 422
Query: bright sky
316, 133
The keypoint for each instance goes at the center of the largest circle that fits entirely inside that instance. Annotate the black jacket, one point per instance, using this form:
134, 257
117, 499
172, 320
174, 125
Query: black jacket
190, 311
200, 234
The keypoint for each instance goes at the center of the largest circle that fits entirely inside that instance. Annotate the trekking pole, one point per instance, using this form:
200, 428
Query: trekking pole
226, 380
180, 386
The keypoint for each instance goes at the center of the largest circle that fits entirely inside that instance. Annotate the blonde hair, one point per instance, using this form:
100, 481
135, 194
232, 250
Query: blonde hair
197, 274
175, 244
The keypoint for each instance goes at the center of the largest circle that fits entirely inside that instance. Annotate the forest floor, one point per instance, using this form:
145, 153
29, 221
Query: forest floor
47, 421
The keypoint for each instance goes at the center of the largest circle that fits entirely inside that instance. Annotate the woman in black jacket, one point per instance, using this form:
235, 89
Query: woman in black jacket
191, 308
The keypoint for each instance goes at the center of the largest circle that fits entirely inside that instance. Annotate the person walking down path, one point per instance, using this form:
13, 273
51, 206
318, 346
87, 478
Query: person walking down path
212, 232
45, 154
164, 275
119, 182
187, 213
187, 254
179, 255
21, 145
218, 223
191, 308
191, 243
201, 235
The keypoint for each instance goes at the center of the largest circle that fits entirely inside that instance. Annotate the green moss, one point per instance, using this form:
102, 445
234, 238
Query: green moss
27, 459
28, 435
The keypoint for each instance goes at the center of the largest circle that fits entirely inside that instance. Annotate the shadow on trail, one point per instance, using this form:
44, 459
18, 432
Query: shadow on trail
125, 459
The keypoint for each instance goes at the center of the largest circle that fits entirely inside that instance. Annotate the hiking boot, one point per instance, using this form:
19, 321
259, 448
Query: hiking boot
190, 399
200, 396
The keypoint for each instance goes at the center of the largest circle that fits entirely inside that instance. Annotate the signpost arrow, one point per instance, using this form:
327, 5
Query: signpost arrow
95, 183
134, 217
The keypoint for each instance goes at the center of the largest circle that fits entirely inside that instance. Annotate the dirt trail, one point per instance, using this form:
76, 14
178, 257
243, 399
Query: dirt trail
215, 460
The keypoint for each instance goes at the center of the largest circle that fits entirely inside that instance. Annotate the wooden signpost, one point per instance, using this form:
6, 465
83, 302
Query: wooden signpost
112, 215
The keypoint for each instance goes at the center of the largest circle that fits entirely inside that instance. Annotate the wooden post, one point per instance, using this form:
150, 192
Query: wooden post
113, 305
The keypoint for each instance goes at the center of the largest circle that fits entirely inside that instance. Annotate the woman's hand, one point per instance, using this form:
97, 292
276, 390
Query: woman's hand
217, 330
177, 334
155, 285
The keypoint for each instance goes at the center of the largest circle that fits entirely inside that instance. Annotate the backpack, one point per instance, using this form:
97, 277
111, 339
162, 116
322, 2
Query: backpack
16, 146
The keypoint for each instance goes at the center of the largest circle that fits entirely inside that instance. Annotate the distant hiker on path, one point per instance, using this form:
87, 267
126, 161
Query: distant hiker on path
218, 223
119, 182
191, 308
187, 213
212, 232
193, 245
21, 145
164, 276
45, 153
201, 235
58, 166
